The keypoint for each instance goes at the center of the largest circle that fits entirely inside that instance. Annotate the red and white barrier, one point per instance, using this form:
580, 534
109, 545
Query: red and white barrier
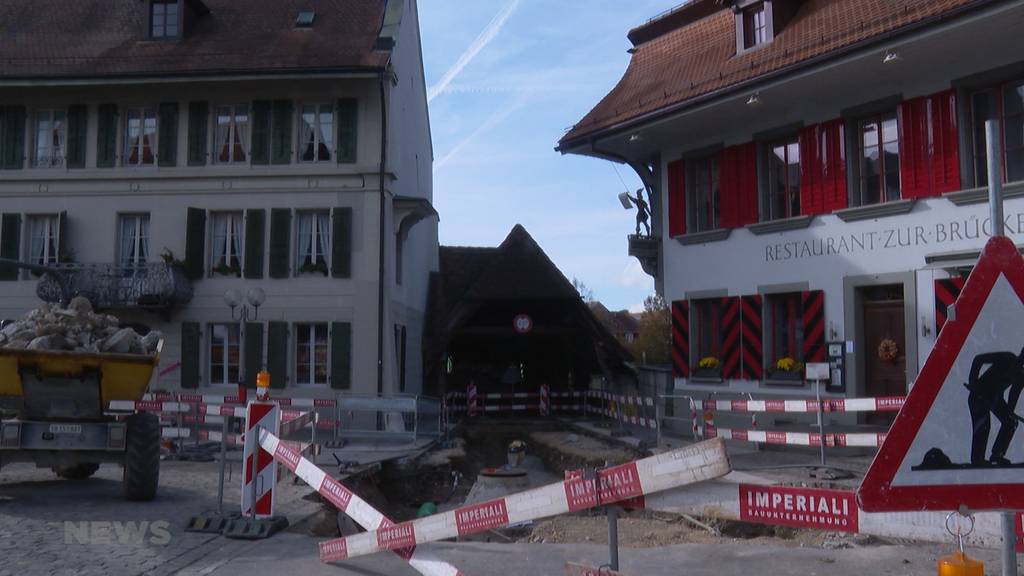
351, 504
471, 399
545, 400
293, 422
882, 404
869, 439
680, 467
259, 473
147, 406
235, 400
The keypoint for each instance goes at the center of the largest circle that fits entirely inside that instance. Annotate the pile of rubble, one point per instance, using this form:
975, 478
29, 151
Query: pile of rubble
76, 329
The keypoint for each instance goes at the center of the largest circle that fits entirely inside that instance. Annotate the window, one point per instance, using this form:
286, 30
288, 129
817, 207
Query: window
783, 192
226, 249
140, 137
707, 319
164, 19
51, 138
705, 193
314, 241
316, 133
311, 354
785, 325
224, 353
1004, 104
133, 245
232, 137
879, 159
755, 25
44, 239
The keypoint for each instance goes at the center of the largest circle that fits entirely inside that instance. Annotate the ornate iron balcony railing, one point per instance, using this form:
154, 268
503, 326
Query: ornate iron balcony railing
149, 285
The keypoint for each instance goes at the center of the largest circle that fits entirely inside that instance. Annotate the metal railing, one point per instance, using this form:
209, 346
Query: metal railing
144, 285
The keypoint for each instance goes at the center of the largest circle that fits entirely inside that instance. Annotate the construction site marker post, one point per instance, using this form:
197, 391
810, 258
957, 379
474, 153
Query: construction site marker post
995, 200
818, 372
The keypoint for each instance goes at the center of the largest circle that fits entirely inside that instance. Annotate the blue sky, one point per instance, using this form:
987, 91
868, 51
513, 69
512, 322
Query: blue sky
507, 77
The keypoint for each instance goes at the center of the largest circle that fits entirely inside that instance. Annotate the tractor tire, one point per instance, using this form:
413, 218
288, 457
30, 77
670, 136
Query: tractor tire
142, 457
77, 472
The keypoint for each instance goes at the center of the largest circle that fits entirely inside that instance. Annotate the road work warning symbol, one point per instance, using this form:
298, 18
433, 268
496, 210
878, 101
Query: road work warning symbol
955, 442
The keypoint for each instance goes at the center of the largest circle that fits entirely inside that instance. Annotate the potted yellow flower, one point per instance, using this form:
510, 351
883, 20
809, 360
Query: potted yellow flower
787, 368
708, 367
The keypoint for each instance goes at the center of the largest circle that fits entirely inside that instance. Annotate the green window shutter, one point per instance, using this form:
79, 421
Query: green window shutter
168, 138
253, 352
198, 120
277, 354
341, 243
280, 242
260, 144
341, 355
195, 243
78, 116
106, 136
281, 137
63, 255
10, 239
14, 138
348, 130
190, 346
254, 226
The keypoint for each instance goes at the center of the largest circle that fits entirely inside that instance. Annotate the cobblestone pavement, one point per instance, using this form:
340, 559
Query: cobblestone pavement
50, 526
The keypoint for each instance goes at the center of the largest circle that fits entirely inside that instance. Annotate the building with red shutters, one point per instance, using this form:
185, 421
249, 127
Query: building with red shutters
817, 174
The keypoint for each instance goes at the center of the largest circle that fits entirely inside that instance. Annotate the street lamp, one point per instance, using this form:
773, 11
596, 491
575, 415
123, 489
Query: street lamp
254, 298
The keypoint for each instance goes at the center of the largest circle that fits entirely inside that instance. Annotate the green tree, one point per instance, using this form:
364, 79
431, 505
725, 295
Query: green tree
654, 344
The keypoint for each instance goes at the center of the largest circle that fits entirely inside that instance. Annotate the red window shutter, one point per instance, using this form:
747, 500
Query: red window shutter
730, 337
914, 158
813, 304
737, 169
676, 198
945, 143
810, 171
832, 157
752, 348
681, 339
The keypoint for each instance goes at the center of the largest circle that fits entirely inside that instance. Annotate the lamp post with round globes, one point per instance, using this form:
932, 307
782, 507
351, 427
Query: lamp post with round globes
254, 298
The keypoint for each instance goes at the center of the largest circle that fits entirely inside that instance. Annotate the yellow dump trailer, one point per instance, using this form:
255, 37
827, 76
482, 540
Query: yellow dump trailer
59, 401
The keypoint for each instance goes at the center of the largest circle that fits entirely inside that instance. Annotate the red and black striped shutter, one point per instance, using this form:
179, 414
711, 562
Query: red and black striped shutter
681, 339
730, 337
814, 325
752, 360
947, 290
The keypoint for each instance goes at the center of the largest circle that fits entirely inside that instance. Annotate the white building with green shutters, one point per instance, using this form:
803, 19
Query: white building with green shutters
166, 152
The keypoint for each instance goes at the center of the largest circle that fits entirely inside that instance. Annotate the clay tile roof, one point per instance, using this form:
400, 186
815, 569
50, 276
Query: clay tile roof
107, 38
697, 59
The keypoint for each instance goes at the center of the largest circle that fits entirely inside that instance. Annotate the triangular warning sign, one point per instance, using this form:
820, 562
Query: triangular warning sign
956, 442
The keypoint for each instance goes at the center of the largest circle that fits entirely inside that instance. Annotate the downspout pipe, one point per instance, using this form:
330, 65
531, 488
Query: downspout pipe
382, 78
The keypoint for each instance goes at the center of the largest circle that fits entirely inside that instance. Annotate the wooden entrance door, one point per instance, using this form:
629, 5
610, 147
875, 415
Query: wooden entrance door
884, 320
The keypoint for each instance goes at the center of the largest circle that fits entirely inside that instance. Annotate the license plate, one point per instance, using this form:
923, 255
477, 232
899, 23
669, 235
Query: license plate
65, 428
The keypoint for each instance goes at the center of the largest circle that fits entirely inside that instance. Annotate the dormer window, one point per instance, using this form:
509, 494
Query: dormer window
755, 26
757, 22
163, 19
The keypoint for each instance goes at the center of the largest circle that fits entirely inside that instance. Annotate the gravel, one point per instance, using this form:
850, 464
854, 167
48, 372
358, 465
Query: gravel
77, 329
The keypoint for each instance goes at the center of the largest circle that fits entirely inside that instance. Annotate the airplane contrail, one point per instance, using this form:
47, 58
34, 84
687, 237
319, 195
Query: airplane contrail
488, 34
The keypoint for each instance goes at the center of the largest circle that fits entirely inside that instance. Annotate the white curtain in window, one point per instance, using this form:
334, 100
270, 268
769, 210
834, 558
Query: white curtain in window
43, 138
143, 254
37, 249
128, 232
326, 130
223, 136
131, 142
241, 133
323, 236
59, 139
308, 137
306, 239
220, 240
236, 239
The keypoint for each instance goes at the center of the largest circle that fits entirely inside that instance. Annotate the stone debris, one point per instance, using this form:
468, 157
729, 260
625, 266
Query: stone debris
77, 329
